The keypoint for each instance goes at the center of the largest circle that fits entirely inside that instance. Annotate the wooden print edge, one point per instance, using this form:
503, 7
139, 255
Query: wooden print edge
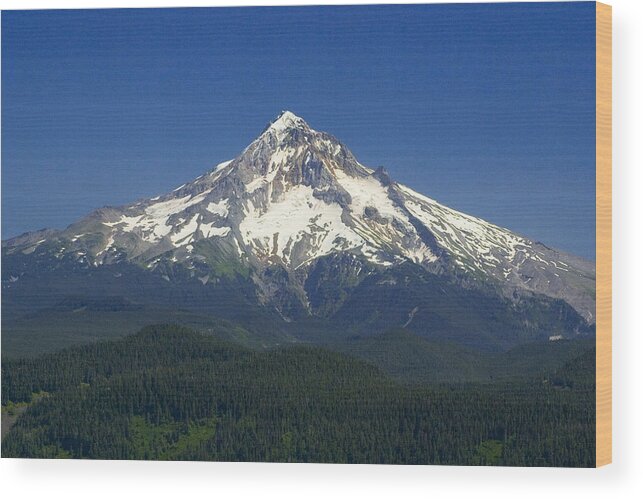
603, 234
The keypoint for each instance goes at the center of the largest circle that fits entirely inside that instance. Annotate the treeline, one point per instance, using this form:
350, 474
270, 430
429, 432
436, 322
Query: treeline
169, 393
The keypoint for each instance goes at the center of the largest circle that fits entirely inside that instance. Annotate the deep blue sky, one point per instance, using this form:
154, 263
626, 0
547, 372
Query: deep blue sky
486, 108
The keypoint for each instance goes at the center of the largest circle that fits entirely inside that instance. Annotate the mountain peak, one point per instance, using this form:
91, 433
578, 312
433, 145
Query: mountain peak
287, 115
286, 120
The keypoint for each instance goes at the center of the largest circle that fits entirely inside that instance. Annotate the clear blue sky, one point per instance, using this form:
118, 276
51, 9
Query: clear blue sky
486, 108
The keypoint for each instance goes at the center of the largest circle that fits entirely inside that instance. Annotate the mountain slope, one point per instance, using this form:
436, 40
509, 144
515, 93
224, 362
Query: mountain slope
302, 223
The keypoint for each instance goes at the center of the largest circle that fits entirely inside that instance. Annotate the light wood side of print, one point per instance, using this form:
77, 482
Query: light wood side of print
603, 234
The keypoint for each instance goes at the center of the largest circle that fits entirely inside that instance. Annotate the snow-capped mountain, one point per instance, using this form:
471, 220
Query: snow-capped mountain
296, 196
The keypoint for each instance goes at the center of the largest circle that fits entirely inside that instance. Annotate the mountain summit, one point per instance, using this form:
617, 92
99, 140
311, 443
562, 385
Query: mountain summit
287, 120
296, 205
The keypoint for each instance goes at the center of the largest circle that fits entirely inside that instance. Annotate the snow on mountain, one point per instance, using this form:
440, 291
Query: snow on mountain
295, 195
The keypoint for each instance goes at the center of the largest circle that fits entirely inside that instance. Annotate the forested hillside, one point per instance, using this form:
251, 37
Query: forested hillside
412, 359
170, 393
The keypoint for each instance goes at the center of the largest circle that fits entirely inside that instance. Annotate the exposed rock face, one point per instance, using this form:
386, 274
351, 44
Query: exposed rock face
295, 209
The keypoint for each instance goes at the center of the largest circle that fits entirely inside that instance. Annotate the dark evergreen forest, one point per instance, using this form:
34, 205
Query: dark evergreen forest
171, 393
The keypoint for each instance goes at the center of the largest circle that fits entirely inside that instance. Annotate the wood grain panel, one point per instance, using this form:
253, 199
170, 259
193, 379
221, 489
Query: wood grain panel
603, 234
